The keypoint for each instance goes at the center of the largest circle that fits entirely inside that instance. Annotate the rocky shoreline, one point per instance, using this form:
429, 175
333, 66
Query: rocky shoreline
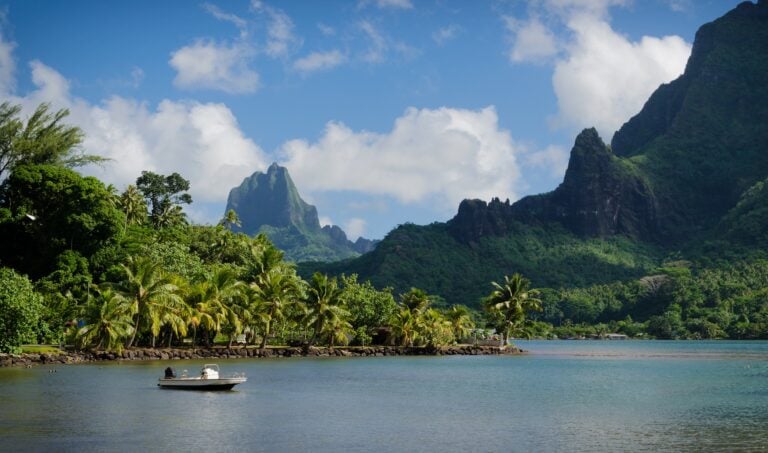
33, 359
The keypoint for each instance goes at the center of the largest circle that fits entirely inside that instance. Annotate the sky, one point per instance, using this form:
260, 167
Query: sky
384, 111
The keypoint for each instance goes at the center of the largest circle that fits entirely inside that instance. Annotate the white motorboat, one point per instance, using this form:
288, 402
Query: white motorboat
209, 379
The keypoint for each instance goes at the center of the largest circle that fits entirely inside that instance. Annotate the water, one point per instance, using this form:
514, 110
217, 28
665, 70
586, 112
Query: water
562, 396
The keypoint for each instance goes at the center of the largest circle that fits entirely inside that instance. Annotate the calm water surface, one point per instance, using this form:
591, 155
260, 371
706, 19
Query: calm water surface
562, 396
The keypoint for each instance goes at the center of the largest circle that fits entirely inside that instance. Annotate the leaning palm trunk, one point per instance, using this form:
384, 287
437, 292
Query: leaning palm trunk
264, 337
135, 329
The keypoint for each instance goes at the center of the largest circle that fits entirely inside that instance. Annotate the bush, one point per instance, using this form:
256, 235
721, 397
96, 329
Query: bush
20, 310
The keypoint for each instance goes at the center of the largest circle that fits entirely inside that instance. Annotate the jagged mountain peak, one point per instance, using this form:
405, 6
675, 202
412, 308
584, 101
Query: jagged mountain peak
269, 202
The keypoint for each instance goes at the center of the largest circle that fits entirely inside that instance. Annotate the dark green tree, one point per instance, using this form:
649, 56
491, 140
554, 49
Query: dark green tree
46, 210
165, 195
42, 140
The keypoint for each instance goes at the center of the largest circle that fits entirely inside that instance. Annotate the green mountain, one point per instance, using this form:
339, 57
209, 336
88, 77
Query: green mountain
270, 203
684, 178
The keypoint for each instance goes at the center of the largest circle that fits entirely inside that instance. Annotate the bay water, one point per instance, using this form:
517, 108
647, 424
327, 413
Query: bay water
560, 396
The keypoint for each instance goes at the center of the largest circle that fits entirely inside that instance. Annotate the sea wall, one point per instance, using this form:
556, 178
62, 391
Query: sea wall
33, 359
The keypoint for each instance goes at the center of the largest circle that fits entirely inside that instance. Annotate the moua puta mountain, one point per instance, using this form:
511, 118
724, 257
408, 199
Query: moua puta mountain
683, 178
268, 202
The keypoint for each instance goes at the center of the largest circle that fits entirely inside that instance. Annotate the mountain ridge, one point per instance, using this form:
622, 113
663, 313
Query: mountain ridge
677, 175
269, 202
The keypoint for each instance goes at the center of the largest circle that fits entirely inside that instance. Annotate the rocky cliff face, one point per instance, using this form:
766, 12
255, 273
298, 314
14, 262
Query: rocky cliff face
270, 203
678, 166
601, 195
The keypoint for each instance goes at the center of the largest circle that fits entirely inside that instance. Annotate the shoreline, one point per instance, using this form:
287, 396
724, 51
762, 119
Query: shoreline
28, 360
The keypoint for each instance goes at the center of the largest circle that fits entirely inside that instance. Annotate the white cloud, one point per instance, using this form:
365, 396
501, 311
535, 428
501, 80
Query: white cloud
137, 76
378, 44
601, 77
354, 228
280, 37
444, 155
401, 4
326, 30
325, 221
7, 66
553, 158
318, 61
606, 78
216, 12
219, 66
445, 34
531, 40
202, 142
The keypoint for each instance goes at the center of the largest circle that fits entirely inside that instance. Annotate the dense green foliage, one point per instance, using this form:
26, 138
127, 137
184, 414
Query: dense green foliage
431, 258
20, 311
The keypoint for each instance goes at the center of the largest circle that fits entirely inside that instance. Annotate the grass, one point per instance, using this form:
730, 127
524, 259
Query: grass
40, 349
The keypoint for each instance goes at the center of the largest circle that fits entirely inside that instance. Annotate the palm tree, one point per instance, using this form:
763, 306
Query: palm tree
133, 205
324, 308
434, 328
276, 290
110, 319
230, 220
461, 321
214, 300
512, 301
149, 290
404, 327
415, 300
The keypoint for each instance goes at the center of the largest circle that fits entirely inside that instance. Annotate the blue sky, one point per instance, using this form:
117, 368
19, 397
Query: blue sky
384, 111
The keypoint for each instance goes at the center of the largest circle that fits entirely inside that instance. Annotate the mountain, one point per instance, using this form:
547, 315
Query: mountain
684, 177
270, 203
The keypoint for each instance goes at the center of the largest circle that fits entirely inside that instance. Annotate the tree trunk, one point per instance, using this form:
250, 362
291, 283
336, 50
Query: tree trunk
264, 337
135, 329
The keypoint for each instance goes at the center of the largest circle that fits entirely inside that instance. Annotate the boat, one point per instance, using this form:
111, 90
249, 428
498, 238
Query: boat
209, 379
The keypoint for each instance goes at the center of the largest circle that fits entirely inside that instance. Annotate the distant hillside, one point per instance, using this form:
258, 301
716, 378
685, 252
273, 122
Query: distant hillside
270, 203
684, 178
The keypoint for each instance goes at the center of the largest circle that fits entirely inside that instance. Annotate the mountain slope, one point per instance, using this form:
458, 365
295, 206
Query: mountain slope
270, 203
686, 169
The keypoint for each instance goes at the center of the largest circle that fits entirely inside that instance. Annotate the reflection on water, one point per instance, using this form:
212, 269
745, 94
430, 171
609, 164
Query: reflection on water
573, 396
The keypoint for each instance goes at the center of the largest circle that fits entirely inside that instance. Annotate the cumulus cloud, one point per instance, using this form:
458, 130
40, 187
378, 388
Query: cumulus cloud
200, 141
553, 158
606, 78
354, 228
531, 40
7, 66
601, 77
444, 155
319, 61
211, 65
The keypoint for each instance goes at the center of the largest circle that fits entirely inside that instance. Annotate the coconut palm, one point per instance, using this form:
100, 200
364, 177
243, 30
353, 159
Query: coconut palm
214, 300
415, 300
434, 328
512, 301
405, 327
133, 205
150, 291
276, 290
324, 308
230, 220
110, 321
460, 320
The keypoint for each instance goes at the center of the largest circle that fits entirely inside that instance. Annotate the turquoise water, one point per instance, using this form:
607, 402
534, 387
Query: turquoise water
562, 396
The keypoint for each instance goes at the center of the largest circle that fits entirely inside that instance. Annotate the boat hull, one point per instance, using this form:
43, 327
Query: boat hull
199, 384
